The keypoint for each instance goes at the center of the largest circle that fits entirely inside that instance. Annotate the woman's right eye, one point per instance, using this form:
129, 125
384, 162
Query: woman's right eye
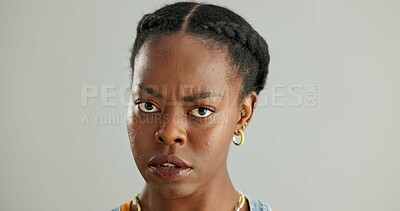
147, 107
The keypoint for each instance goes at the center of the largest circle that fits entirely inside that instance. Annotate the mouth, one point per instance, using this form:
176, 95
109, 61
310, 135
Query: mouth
169, 167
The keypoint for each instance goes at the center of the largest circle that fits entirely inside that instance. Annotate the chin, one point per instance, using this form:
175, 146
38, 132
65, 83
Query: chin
171, 189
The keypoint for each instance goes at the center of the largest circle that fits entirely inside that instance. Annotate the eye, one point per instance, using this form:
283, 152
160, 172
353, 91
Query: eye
147, 107
201, 112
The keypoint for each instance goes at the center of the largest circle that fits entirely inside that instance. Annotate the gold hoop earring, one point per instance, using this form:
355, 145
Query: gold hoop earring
241, 138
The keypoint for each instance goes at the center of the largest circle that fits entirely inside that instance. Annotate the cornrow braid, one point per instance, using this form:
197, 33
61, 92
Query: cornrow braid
247, 49
150, 22
231, 30
168, 19
254, 43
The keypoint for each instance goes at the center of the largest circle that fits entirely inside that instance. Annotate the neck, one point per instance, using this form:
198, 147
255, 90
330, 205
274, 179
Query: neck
218, 194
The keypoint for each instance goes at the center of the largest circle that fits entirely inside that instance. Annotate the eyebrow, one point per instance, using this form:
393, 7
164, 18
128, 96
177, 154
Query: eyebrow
149, 90
189, 98
195, 97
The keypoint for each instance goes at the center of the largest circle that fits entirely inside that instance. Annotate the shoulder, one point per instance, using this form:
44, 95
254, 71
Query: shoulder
258, 205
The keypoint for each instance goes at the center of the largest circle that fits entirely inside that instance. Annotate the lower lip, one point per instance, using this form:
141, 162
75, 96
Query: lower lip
170, 174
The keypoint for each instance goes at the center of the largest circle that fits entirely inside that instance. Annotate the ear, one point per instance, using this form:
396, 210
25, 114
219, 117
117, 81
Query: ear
246, 111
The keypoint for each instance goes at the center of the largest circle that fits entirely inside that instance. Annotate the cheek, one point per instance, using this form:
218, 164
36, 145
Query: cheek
134, 136
211, 143
141, 139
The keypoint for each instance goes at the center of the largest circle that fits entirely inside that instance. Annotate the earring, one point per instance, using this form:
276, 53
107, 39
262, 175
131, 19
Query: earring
244, 126
241, 138
243, 113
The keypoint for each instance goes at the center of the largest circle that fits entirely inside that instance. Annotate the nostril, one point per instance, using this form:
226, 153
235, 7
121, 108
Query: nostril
169, 139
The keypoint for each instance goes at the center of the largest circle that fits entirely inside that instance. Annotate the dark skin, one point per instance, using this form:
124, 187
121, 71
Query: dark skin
183, 103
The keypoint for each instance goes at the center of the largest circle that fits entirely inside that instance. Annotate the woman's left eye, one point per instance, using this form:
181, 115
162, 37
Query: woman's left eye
201, 112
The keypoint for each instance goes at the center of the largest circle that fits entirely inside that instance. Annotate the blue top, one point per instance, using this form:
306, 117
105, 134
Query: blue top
255, 205
258, 205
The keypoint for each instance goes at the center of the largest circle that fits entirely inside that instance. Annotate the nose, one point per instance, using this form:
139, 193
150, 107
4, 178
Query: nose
171, 131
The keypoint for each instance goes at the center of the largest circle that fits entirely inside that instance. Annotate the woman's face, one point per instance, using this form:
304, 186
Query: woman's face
183, 112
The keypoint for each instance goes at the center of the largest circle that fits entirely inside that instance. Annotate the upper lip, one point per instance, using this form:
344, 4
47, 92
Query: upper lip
172, 159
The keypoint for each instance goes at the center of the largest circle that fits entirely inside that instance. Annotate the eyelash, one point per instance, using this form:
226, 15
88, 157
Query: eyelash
208, 108
138, 103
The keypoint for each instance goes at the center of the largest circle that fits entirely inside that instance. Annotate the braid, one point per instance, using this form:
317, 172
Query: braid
166, 20
253, 42
247, 49
230, 30
151, 22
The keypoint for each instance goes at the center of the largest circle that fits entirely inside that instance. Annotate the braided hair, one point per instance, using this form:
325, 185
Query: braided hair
247, 50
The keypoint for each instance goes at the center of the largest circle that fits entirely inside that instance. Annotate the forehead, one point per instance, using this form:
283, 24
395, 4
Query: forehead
180, 60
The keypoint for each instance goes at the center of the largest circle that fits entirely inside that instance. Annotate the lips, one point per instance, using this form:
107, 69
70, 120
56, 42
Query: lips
169, 167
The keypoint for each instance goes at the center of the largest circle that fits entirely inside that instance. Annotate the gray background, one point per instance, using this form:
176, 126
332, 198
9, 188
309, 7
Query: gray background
341, 154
